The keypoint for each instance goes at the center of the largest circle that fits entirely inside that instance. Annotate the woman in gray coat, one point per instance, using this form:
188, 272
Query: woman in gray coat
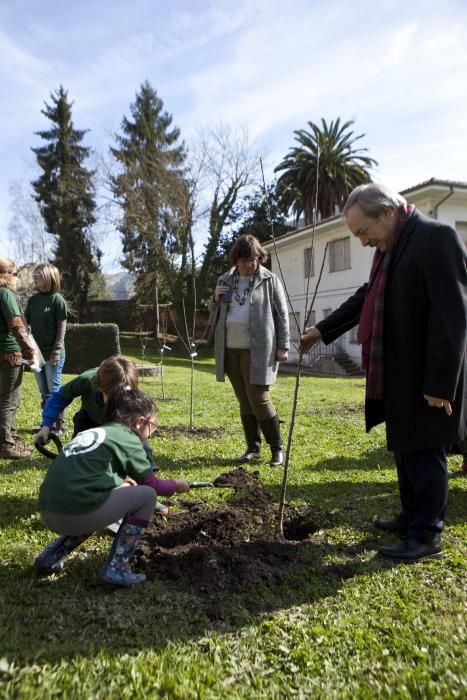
252, 336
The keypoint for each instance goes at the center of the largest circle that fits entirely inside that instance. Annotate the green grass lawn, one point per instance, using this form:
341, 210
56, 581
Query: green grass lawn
354, 626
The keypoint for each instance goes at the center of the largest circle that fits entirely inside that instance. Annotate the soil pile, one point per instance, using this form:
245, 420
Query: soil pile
216, 553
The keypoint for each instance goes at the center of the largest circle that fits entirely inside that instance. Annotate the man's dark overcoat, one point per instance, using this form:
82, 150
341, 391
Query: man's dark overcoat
424, 337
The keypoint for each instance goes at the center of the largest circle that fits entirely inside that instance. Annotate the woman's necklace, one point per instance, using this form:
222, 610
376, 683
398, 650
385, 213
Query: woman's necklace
236, 278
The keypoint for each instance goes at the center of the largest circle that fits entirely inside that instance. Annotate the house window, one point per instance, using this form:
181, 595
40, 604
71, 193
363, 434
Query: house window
353, 335
295, 330
309, 262
327, 312
311, 319
461, 228
339, 254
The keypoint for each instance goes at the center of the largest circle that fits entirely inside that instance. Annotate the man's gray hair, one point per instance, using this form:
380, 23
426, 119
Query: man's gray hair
373, 199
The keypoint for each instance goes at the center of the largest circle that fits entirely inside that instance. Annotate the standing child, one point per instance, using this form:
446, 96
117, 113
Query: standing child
15, 345
103, 475
46, 314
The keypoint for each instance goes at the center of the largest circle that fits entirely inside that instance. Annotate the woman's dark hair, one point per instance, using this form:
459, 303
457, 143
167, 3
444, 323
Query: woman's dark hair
124, 405
116, 370
247, 246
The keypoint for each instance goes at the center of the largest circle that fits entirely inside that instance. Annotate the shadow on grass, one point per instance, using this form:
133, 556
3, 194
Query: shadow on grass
457, 504
21, 465
14, 508
72, 614
371, 460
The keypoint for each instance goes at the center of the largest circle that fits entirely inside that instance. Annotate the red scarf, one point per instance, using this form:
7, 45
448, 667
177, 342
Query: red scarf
371, 326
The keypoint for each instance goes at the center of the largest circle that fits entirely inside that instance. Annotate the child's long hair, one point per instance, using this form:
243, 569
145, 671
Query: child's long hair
7, 267
125, 405
116, 370
51, 276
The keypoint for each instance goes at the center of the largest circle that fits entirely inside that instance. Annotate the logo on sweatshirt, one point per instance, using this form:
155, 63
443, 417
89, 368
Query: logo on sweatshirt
87, 441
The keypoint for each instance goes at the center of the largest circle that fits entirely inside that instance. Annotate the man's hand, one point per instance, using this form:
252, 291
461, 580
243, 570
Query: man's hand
309, 338
439, 403
42, 436
282, 355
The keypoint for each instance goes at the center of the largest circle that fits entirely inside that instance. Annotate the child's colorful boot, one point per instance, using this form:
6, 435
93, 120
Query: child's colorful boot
50, 560
117, 570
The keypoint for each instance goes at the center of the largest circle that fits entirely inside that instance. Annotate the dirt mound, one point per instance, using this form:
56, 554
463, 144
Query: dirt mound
216, 553
237, 478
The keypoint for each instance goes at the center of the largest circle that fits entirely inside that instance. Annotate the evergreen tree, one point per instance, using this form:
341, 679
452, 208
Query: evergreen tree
263, 216
65, 195
258, 215
151, 190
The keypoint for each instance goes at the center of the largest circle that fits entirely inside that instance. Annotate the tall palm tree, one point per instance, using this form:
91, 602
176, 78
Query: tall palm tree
325, 161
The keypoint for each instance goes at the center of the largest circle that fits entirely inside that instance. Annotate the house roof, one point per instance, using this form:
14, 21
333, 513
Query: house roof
433, 181
426, 184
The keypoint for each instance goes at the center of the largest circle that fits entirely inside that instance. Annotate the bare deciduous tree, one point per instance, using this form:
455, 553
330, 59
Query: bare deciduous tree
30, 241
228, 167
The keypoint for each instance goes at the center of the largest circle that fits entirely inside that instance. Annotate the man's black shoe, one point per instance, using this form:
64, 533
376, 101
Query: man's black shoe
410, 551
277, 458
248, 456
391, 524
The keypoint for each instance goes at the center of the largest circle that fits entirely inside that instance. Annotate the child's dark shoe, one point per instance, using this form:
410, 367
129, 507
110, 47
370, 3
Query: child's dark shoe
122, 577
117, 570
50, 559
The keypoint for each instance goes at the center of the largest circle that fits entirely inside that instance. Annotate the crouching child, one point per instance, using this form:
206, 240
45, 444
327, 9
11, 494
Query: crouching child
103, 476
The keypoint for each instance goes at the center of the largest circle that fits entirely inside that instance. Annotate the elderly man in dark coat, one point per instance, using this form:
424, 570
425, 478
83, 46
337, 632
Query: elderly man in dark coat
412, 327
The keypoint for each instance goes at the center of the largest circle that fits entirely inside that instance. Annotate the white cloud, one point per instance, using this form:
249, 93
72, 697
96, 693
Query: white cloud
397, 68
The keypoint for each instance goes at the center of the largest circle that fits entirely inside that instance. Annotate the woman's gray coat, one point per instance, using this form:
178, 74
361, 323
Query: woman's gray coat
269, 327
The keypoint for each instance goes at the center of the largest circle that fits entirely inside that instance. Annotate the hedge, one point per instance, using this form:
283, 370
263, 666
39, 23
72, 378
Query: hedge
87, 344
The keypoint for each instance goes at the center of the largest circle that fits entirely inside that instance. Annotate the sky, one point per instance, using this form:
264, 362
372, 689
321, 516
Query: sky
396, 68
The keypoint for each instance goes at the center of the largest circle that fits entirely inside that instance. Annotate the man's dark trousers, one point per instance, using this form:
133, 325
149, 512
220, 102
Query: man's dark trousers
423, 485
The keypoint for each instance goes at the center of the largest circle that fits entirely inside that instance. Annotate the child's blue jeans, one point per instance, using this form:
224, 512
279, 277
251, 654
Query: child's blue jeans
48, 379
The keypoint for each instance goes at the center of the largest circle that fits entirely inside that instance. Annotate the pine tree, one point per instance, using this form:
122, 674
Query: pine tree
65, 195
151, 190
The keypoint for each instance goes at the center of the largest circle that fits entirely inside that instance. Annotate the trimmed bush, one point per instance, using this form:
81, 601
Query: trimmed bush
87, 344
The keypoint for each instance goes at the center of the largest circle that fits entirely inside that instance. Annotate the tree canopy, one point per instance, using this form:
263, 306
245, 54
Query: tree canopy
151, 190
323, 169
261, 215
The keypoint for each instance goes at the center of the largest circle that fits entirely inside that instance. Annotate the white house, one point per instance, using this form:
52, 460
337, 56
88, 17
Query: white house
347, 264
